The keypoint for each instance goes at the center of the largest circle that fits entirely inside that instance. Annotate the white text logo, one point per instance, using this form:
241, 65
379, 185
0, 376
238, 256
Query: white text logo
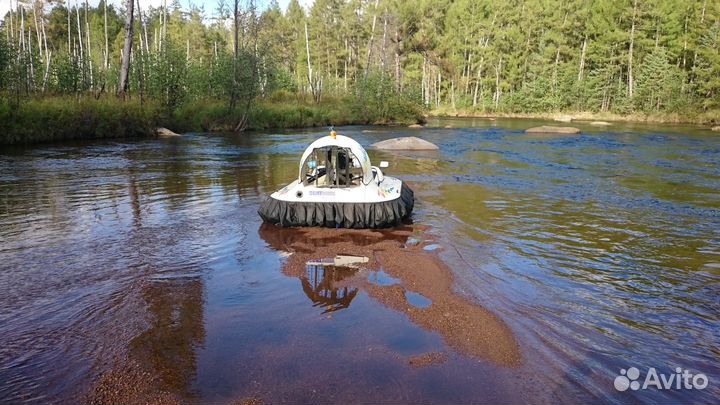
680, 380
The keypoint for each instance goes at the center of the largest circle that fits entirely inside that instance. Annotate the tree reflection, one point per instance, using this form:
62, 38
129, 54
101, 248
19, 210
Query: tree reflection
176, 329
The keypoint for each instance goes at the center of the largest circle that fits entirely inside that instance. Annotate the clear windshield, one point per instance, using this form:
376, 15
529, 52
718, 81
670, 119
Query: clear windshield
332, 166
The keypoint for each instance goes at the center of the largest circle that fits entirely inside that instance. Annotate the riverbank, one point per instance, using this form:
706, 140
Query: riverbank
59, 118
286, 110
55, 118
709, 118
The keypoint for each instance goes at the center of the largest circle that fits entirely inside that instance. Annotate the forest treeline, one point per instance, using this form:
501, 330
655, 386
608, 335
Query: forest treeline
366, 60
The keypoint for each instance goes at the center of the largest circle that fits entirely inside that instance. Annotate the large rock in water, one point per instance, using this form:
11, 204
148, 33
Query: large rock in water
564, 118
716, 129
405, 143
600, 123
548, 129
165, 132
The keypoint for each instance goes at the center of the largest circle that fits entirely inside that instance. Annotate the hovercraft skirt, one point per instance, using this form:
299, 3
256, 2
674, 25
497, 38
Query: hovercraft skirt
339, 215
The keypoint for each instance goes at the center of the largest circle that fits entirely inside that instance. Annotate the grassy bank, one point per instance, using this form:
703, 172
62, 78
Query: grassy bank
709, 118
53, 118
285, 110
59, 118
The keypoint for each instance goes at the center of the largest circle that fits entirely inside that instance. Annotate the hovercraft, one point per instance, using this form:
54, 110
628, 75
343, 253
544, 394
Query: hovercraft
338, 187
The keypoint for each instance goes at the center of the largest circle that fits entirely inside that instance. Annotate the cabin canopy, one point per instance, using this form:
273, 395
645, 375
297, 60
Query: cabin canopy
357, 157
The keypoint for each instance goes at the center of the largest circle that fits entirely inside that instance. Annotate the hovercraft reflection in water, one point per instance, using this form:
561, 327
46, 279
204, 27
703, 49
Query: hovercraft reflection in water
319, 285
337, 187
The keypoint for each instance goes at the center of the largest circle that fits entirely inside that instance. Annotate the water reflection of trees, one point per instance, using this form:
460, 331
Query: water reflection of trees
64, 186
119, 207
168, 346
173, 302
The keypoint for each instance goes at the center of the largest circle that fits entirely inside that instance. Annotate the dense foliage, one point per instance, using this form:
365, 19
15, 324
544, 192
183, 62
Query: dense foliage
382, 58
624, 56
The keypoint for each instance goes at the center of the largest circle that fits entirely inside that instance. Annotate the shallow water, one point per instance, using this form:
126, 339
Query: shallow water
600, 251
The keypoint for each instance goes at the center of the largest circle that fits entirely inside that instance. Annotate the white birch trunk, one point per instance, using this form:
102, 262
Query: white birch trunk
439, 88
11, 32
106, 63
80, 40
496, 99
631, 83
89, 48
398, 83
79, 28
37, 32
426, 99
22, 31
30, 57
127, 49
44, 35
313, 86
164, 25
581, 69
372, 37
384, 43
480, 68
452, 93
70, 48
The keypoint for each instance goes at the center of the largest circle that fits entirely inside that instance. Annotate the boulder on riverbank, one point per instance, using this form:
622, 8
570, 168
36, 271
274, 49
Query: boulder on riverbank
563, 118
600, 123
164, 132
405, 143
548, 129
415, 126
716, 129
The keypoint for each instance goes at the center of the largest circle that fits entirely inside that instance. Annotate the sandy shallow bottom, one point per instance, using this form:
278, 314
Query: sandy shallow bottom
403, 273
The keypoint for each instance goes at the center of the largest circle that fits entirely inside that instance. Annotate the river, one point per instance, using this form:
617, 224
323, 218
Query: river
599, 251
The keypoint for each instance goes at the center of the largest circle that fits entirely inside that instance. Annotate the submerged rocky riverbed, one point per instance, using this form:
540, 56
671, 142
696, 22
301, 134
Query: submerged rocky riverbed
536, 267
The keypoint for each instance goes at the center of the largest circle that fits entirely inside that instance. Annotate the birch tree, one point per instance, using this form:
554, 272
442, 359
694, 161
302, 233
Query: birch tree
127, 49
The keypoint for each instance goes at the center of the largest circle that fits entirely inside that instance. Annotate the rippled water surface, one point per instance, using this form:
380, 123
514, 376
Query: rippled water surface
601, 251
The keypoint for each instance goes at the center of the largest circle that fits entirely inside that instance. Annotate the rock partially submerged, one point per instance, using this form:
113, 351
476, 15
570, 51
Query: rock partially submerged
165, 132
340, 261
716, 129
564, 118
549, 129
600, 123
415, 126
405, 143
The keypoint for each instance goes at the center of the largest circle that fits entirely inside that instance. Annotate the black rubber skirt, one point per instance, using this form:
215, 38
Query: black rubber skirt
339, 215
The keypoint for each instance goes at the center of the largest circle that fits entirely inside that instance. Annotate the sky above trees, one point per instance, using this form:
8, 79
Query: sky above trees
209, 5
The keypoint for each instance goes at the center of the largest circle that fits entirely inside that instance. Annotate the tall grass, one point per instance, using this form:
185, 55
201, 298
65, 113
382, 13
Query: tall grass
65, 117
56, 118
282, 110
